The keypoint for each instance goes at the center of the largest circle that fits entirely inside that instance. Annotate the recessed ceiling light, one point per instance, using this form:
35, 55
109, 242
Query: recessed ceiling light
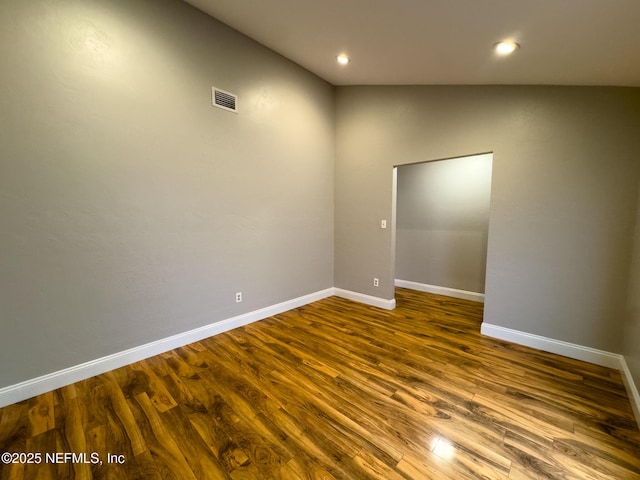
343, 59
505, 48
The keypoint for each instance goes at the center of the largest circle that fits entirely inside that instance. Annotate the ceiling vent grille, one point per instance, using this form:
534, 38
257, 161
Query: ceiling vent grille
225, 100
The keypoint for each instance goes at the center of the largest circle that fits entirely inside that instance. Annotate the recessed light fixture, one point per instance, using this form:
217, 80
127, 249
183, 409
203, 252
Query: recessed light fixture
505, 48
343, 59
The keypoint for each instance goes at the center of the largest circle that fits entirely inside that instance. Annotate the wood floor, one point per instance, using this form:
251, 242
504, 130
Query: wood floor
336, 390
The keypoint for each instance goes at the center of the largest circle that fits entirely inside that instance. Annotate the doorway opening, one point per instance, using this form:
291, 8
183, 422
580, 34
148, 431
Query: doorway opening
441, 224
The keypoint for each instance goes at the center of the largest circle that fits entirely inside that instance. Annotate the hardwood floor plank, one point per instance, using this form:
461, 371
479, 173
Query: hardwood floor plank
193, 447
120, 414
12, 472
45, 442
14, 427
41, 414
585, 459
626, 450
155, 389
70, 436
374, 468
307, 471
162, 445
338, 390
430, 467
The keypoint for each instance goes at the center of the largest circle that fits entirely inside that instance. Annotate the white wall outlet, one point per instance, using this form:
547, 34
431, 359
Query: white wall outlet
238, 297
376, 282
383, 224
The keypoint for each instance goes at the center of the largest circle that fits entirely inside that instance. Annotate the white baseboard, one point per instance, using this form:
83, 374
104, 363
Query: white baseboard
571, 350
632, 391
367, 299
450, 292
30, 388
52, 381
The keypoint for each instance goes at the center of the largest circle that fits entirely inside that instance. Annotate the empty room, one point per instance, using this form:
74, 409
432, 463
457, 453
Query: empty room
319, 240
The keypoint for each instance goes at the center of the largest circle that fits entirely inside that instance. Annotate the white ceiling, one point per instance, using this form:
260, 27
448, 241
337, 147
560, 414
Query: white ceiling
563, 42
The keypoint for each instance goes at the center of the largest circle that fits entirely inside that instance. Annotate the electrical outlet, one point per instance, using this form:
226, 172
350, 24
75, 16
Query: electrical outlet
238, 297
376, 282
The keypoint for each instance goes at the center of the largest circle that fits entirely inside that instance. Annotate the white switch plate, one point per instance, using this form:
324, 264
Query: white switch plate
383, 224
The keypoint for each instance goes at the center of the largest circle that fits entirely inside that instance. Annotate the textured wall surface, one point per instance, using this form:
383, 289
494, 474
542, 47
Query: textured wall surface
632, 325
563, 201
132, 210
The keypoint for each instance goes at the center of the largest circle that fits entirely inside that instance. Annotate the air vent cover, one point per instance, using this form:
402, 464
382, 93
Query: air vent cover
224, 100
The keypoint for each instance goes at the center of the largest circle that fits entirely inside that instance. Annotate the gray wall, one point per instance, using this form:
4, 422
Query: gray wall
442, 222
131, 209
632, 325
563, 202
